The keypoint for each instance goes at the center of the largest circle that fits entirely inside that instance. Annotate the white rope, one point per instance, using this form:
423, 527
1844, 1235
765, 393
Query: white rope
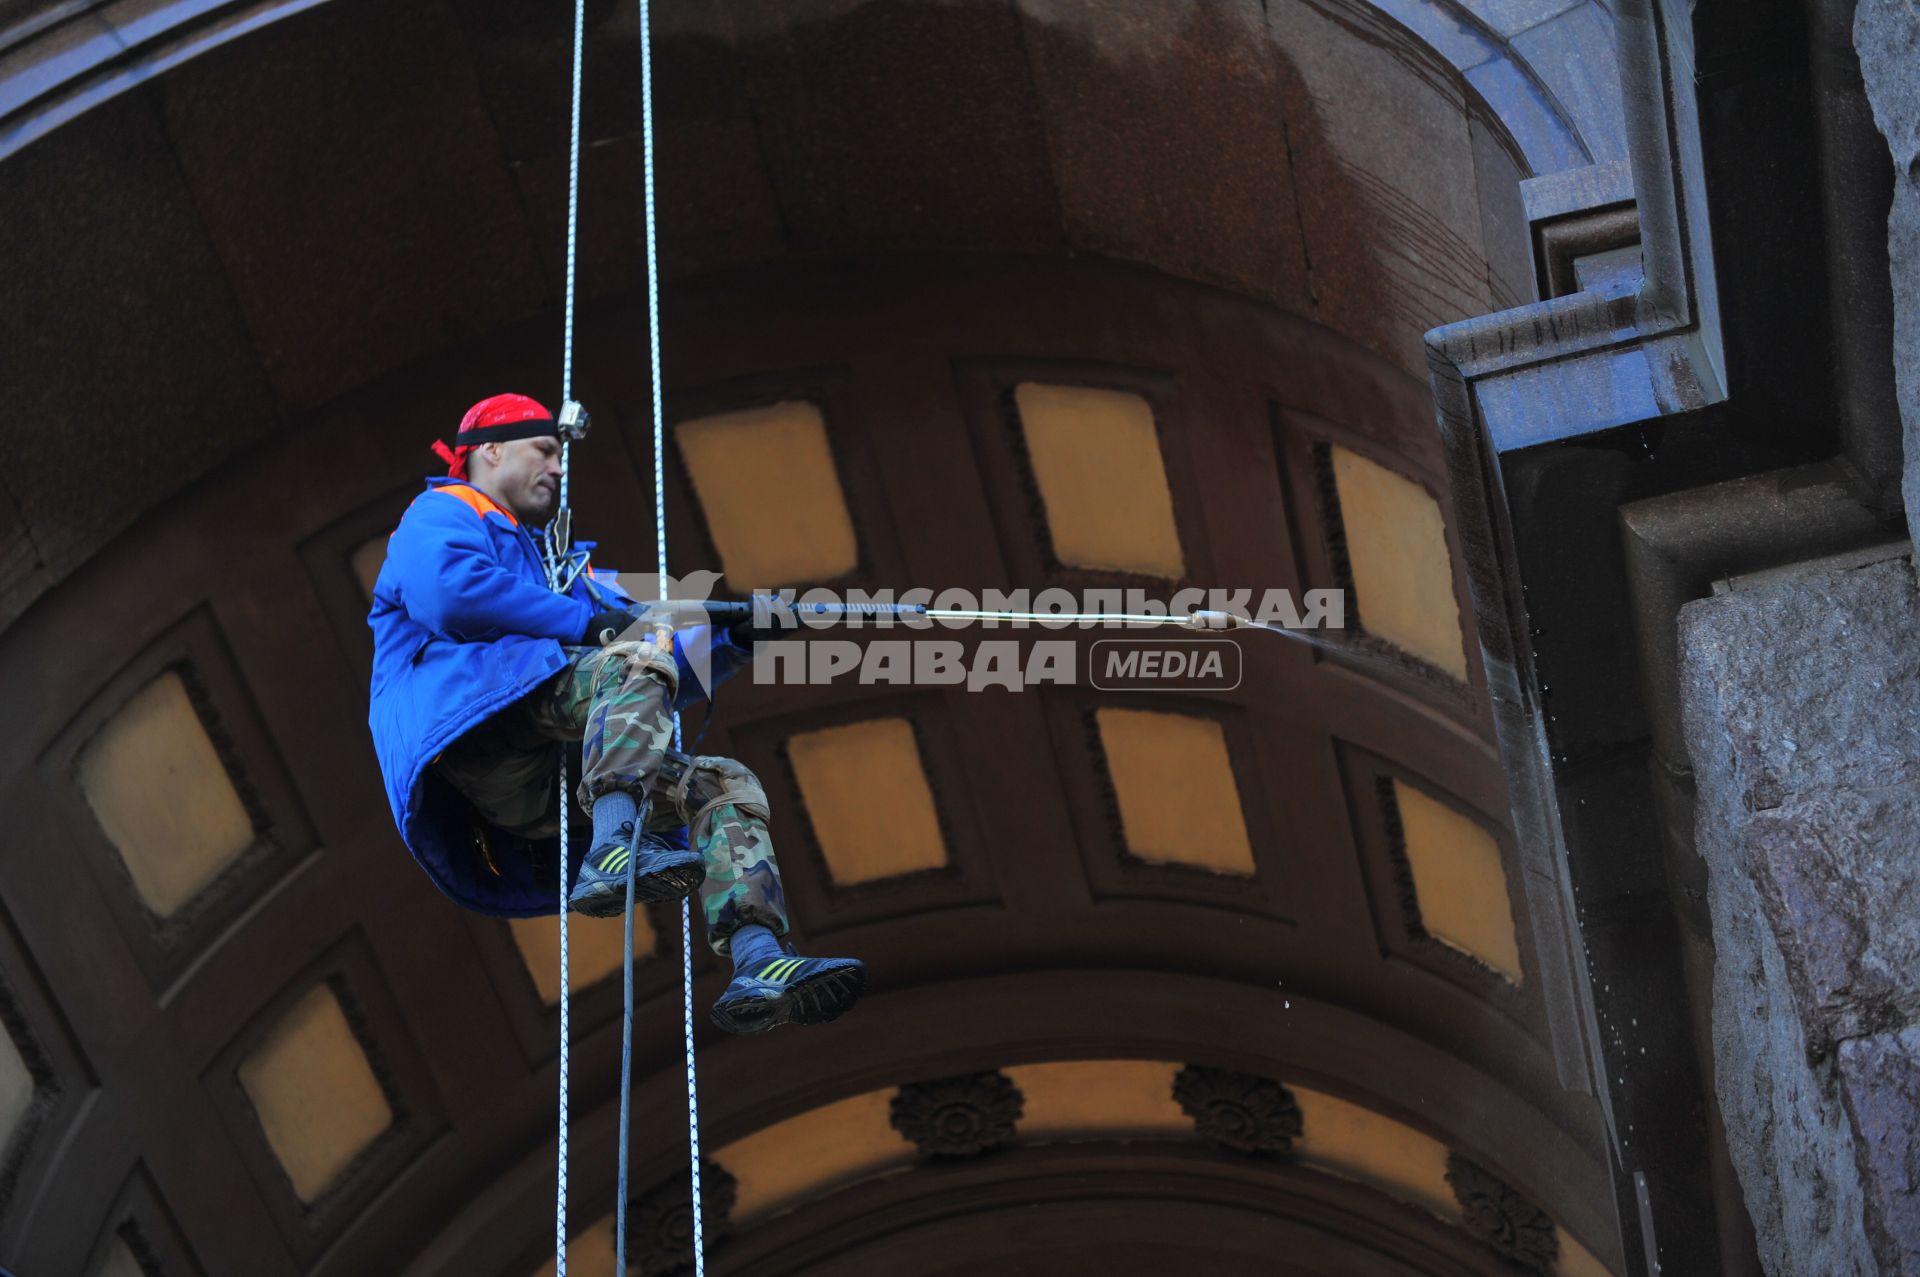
566, 1033
626, 1045
566, 800
660, 541
660, 536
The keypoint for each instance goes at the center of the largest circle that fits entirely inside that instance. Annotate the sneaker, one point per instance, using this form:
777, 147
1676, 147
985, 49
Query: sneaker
662, 872
790, 989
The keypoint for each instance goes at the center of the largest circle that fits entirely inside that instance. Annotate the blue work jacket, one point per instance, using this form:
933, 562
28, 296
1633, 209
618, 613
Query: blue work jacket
463, 626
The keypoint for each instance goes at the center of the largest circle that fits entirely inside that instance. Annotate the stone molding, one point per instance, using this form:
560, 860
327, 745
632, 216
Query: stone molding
1240, 1111
1498, 1215
961, 1116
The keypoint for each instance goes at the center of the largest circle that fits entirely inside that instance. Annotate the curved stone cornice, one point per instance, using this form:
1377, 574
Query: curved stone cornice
922, 1031
65, 59
1149, 1206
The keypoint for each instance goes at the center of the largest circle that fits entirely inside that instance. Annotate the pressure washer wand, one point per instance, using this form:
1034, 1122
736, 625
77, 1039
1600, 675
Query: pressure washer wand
680, 613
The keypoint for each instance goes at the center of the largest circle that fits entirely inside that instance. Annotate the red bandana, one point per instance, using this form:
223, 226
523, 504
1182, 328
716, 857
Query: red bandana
495, 420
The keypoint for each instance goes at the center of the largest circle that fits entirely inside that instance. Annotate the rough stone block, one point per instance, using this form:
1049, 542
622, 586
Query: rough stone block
1886, 34
1802, 710
1880, 1082
1842, 907
1786, 1134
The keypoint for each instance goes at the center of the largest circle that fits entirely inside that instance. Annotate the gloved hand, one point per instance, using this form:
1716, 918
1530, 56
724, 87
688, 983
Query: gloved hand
744, 634
608, 625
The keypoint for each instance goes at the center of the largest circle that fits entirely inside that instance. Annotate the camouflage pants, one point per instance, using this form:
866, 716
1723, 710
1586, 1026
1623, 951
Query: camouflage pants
617, 702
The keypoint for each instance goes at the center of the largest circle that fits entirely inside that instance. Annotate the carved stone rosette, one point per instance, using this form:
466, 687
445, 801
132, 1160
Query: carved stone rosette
960, 1116
1498, 1215
660, 1220
1243, 1111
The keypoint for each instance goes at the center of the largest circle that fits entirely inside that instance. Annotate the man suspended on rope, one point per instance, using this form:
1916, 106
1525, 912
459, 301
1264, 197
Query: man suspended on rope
480, 668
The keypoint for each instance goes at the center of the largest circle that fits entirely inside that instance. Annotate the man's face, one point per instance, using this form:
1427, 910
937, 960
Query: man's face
526, 478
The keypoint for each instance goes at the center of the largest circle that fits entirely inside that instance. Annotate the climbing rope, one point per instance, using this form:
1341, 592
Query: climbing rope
566, 450
660, 542
626, 1052
558, 554
561, 579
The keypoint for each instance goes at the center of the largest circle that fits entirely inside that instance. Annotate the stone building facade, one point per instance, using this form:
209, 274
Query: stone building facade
1561, 922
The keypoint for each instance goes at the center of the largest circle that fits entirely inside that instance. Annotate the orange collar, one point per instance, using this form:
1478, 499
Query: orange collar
478, 501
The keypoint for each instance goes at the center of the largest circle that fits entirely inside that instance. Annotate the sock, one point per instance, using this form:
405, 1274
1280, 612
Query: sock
611, 810
752, 947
